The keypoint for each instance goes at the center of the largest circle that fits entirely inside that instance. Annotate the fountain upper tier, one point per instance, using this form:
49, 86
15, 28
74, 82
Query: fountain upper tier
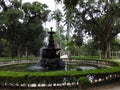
51, 50
51, 56
51, 43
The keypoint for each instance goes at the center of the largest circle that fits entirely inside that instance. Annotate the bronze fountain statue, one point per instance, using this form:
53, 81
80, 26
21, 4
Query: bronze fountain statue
51, 56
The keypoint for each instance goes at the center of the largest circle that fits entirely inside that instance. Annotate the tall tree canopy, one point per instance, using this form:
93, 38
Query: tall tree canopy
99, 18
21, 25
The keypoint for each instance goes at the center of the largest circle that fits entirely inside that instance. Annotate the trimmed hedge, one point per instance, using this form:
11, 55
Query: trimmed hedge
53, 77
84, 82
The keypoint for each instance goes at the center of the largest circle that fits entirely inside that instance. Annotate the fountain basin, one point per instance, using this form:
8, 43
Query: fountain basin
34, 68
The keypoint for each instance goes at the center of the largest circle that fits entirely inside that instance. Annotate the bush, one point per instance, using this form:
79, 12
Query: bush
84, 82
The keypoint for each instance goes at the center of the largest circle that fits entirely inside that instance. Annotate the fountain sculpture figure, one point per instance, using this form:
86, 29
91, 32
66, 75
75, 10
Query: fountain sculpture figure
50, 58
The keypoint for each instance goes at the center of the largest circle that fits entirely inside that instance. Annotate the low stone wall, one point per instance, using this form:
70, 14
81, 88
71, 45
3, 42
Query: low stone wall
92, 62
102, 63
12, 62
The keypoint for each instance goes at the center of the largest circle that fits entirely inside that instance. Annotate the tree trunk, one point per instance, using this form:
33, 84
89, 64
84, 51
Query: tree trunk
12, 49
26, 52
106, 50
68, 36
19, 51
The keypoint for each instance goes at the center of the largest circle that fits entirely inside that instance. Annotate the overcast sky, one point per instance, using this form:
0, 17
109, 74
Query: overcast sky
50, 3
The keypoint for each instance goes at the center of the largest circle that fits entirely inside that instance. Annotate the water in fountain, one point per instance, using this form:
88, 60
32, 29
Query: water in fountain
50, 57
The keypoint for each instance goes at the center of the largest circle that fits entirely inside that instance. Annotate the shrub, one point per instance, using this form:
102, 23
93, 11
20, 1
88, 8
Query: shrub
84, 82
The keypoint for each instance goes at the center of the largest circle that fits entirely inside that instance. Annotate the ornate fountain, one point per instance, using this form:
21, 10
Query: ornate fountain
51, 56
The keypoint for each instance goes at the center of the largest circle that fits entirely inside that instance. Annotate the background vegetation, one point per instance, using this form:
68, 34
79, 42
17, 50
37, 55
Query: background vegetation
21, 29
22, 32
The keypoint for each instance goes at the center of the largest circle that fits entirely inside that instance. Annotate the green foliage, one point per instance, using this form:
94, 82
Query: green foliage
97, 20
89, 49
116, 45
78, 38
84, 81
70, 3
13, 15
56, 77
21, 26
53, 76
26, 7
57, 15
16, 3
3, 47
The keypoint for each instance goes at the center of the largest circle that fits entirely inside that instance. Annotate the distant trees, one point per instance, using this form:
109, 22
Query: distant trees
101, 20
21, 26
57, 15
98, 18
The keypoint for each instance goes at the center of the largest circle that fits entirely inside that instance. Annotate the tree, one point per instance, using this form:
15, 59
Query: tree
11, 22
69, 14
89, 48
78, 38
116, 45
22, 25
100, 19
3, 47
57, 15
35, 14
102, 23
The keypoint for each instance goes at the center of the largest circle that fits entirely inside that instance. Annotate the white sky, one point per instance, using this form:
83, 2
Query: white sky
50, 3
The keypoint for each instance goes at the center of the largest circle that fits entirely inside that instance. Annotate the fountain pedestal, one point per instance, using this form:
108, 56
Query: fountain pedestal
51, 56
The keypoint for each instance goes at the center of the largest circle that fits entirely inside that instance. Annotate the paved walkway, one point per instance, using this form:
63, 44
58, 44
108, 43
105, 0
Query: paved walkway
110, 86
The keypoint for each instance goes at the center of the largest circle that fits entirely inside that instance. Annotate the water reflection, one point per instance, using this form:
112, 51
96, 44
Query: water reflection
79, 67
68, 66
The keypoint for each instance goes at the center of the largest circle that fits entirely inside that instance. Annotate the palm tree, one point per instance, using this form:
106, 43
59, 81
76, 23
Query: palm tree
68, 16
57, 15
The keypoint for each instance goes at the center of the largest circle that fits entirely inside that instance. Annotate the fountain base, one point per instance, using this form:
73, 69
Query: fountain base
50, 56
51, 64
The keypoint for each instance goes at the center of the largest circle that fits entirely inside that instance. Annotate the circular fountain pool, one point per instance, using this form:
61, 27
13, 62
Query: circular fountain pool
34, 67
